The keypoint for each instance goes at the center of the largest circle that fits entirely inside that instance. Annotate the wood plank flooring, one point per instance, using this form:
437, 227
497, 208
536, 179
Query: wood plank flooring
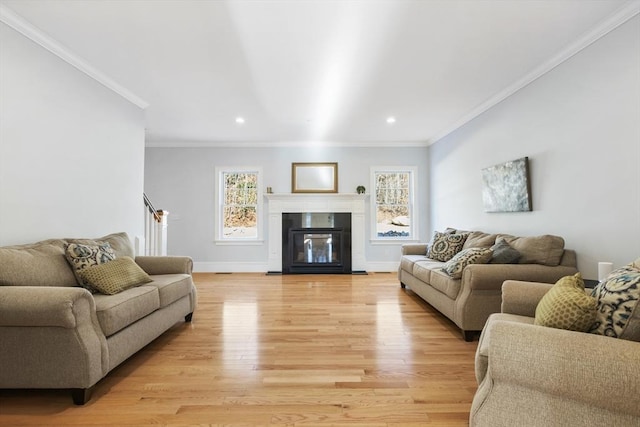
294, 350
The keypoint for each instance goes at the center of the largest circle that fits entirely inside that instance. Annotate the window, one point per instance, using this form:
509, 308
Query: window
239, 204
393, 209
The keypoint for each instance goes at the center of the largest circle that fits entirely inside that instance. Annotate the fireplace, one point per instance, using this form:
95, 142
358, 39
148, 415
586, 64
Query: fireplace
316, 242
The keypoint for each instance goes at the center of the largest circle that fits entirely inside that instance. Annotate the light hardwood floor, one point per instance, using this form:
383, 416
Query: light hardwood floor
295, 350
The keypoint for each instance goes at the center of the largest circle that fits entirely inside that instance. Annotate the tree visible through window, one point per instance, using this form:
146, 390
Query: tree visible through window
239, 205
393, 203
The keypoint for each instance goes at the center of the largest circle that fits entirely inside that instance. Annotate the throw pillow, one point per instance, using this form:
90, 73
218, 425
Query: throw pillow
504, 253
444, 246
115, 276
81, 256
617, 296
465, 257
567, 306
479, 239
545, 250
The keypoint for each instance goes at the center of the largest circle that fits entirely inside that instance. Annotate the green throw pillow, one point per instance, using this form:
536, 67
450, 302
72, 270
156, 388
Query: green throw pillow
115, 276
455, 265
567, 306
444, 245
618, 297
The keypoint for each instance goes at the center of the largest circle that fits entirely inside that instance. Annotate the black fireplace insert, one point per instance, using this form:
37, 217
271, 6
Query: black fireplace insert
316, 243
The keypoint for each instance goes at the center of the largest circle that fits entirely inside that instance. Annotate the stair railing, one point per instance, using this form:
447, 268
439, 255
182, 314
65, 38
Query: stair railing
155, 230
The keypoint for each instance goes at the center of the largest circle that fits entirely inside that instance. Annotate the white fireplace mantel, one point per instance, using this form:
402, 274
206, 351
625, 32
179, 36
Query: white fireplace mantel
315, 202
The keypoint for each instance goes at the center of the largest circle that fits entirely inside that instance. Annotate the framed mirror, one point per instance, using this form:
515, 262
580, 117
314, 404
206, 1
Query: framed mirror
314, 177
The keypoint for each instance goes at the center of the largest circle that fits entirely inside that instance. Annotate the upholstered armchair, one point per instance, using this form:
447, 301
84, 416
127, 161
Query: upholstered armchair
531, 375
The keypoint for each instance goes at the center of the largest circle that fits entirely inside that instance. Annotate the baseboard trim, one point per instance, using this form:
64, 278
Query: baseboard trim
230, 267
263, 267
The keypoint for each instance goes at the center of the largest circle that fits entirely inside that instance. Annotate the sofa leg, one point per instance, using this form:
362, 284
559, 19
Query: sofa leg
81, 396
402, 285
468, 335
188, 317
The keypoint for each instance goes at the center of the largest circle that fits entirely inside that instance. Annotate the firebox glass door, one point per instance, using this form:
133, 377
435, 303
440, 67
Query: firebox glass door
316, 248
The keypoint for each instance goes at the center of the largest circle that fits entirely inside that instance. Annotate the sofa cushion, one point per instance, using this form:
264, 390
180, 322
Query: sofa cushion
545, 250
408, 261
422, 269
119, 242
478, 239
504, 253
567, 306
444, 246
114, 276
455, 265
36, 264
171, 287
116, 312
444, 283
618, 296
81, 256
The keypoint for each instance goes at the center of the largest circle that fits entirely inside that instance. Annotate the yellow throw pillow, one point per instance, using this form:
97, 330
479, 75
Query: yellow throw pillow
115, 276
567, 306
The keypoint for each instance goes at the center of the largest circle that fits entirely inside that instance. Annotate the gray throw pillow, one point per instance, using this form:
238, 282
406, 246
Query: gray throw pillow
504, 253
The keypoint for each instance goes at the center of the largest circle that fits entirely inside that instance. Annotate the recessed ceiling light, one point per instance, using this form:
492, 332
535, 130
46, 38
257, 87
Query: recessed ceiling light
240, 120
391, 120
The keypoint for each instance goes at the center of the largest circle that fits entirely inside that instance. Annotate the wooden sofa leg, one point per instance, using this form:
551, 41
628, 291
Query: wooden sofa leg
402, 285
468, 335
81, 395
188, 317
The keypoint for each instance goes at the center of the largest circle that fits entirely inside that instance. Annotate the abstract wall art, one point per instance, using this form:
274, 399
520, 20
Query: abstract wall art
506, 187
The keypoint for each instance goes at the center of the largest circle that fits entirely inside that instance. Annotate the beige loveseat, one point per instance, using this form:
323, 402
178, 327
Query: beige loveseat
469, 300
56, 334
532, 375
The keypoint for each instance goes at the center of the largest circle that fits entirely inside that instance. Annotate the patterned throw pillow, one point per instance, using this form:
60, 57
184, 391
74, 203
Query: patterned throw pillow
455, 265
444, 246
504, 253
115, 276
567, 306
82, 256
618, 313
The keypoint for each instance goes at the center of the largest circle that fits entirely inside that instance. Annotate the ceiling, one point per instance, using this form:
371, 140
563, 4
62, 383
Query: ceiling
317, 71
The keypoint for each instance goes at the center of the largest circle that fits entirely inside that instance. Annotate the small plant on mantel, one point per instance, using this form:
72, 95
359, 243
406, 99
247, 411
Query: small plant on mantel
360, 189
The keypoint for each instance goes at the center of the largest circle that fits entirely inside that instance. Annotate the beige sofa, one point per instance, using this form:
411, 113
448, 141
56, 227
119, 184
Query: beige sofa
56, 334
469, 300
531, 375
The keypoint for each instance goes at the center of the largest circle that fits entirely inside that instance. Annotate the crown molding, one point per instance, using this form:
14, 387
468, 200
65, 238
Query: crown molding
277, 144
622, 15
24, 27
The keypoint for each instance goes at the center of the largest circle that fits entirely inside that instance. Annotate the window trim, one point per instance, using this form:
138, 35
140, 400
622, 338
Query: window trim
413, 205
219, 203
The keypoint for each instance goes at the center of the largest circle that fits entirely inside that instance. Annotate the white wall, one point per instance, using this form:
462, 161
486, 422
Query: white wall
181, 180
580, 127
71, 150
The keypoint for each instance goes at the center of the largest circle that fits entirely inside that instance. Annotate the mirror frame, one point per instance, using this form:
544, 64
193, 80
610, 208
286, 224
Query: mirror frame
314, 177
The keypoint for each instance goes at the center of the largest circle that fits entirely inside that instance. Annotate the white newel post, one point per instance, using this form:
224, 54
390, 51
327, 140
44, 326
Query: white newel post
335, 202
161, 239
155, 232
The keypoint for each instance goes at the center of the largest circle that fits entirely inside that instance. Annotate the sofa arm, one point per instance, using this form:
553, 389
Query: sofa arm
165, 264
579, 378
50, 338
491, 276
414, 249
522, 298
43, 306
